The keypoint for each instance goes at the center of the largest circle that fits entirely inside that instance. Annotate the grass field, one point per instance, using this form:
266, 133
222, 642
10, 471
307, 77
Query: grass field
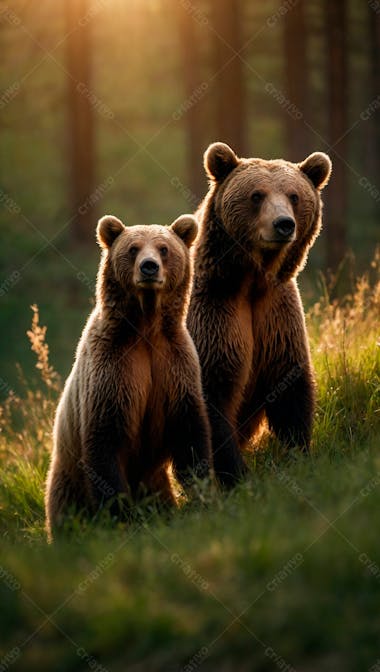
283, 573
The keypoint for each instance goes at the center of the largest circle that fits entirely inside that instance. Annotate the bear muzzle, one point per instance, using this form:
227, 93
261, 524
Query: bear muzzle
284, 229
149, 273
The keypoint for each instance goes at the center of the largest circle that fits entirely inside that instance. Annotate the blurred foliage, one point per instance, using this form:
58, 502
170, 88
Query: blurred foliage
141, 143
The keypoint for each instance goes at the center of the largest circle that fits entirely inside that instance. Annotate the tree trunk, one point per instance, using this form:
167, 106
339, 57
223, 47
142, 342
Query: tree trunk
296, 83
192, 107
80, 120
336, 201
230, 85
371, 116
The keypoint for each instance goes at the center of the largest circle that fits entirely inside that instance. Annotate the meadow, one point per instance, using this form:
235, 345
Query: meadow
282, 573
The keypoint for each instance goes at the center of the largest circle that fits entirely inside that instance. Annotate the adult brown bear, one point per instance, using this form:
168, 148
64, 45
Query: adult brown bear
133, 402
257, 224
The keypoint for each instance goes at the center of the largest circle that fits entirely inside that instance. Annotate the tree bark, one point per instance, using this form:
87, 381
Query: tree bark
296, 83
81, 144
372, 113
230, 85
336, 75
192, 107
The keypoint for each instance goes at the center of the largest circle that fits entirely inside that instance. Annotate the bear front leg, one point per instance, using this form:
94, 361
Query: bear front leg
100, 464
103, 481
188, 438
289, 406
225, 354
223, 394
229, 465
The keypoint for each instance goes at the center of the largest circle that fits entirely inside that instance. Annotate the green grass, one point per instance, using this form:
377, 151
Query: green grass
283, 571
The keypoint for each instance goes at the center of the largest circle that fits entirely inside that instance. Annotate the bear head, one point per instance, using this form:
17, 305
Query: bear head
142, 259
266, 207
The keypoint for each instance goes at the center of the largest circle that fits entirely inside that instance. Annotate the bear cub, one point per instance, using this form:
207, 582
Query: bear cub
132, 405
257, 224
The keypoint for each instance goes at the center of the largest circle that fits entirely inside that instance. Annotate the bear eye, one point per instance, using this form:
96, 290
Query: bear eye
257, 197
133, 250
164, 251
293, 198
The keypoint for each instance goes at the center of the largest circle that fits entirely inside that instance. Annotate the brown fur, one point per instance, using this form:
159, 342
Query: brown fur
245, 314
133, 403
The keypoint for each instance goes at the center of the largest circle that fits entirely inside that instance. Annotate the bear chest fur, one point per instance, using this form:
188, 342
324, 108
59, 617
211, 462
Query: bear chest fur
144, 400
277, 328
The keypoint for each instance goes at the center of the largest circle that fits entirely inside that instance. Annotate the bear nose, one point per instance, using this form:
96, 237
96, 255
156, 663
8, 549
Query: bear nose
284, 226
149, 267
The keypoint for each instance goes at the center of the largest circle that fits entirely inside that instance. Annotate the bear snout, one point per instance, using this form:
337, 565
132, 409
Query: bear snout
284, 228
149, 272
149, 267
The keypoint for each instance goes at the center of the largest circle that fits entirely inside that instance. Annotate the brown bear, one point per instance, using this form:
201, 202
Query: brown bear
132, 406
257, 224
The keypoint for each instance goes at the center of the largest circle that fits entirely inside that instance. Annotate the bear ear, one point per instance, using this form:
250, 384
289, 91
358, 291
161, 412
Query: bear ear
108, 229
186, 228
317, 167
219, 161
